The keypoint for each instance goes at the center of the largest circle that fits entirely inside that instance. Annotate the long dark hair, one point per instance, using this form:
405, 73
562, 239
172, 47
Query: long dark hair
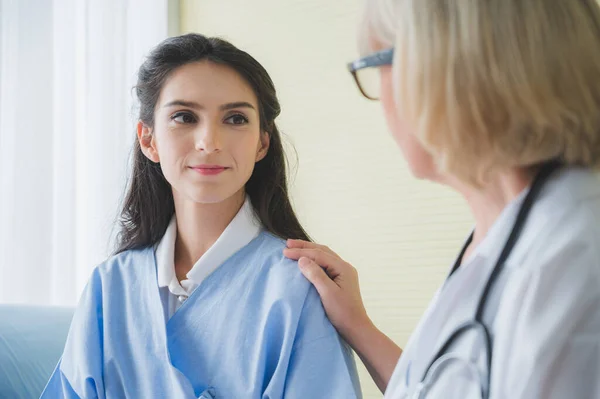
148, 206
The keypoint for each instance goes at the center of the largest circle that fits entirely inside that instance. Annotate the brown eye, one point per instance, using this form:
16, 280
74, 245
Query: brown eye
184, 118
237, 119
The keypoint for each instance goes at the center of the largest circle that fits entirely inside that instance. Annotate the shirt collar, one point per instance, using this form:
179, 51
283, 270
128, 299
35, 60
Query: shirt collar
565, 186
244, 227
493, 242
165, 255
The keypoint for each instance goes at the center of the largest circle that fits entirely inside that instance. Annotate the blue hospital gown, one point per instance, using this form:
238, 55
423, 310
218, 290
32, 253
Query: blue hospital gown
255, 328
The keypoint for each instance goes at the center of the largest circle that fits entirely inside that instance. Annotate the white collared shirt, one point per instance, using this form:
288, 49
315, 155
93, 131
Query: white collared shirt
543, 311
244, 227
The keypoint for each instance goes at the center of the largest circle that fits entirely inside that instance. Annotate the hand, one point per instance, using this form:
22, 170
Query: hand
337, 284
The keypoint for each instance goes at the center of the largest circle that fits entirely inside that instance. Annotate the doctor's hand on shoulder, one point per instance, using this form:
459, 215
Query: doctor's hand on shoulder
337, 284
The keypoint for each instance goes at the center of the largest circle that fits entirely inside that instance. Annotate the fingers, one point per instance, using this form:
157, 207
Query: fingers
317, 276
332, 264
325, 259
301, 244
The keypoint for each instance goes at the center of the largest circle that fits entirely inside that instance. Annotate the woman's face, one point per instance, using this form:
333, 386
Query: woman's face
419, 160
206, 132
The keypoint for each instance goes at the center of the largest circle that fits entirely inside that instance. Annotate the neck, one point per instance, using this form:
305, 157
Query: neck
488, 202
199, 226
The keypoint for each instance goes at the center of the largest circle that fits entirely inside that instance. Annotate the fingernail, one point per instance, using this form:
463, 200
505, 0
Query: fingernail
303, 262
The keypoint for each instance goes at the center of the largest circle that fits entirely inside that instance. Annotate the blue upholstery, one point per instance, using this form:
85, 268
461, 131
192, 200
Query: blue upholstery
32, 339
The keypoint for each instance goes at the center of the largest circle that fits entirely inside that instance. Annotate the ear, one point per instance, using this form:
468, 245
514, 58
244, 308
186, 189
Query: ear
147, 143
263, 146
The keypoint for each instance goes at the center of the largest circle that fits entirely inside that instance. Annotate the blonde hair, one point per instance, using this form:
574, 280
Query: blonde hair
494, 84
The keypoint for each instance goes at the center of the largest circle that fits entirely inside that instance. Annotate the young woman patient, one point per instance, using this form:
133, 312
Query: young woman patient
198, 301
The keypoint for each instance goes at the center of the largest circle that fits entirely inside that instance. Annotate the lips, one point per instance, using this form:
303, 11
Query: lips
209, 170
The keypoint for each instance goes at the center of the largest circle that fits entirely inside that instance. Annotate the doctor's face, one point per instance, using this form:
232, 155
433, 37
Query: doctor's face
419, 160
206, 132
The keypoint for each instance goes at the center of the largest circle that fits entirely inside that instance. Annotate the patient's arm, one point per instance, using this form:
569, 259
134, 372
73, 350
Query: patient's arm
79, 372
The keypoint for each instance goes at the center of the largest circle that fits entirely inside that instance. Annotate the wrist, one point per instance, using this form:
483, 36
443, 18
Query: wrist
359, 331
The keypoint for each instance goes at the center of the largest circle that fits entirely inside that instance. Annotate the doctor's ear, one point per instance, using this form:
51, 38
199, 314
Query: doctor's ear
147, 142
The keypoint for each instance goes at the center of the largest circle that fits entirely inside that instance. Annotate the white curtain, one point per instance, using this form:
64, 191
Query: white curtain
67, 68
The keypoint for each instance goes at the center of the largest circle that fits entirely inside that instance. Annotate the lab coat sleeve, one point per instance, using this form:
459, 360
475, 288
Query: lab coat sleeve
321, 364
79, 372
551, 348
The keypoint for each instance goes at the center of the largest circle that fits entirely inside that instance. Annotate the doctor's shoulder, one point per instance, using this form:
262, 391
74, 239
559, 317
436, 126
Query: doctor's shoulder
567, 245
547, 323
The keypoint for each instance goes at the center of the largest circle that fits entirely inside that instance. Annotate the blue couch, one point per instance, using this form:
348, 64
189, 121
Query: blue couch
32, 339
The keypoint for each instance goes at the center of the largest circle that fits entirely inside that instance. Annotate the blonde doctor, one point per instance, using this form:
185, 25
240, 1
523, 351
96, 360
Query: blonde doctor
499, 100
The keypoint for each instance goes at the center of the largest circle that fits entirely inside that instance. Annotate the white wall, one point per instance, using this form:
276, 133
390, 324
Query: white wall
352, 190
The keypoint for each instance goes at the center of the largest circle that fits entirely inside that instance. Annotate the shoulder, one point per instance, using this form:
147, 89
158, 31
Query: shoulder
313, 323
571, 204
564, 231
272, 264
551, 308
555, 278
125, 266
287, 284
557, 267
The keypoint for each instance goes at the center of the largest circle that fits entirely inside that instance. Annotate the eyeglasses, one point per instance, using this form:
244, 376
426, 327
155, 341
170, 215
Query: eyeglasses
365, 73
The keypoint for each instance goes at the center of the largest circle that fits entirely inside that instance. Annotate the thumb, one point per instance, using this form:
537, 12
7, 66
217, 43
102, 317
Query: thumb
317, 276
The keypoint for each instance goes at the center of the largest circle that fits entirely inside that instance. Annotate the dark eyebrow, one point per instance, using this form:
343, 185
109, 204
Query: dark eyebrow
195, 105
182, 103
239, 104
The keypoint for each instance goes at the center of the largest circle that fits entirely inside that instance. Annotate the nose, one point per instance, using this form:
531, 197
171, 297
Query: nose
207, 138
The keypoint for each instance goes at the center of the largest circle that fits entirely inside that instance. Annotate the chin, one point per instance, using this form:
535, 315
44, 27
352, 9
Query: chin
207, 198
422, 170
210, 196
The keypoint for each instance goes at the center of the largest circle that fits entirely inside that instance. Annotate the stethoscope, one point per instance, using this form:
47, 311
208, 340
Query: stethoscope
477, 323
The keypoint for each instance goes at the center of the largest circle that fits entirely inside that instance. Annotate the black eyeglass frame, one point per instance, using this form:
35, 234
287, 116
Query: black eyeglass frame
380, 58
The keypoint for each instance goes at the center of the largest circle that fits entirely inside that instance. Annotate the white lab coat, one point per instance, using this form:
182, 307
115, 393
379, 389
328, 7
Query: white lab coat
543, 311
